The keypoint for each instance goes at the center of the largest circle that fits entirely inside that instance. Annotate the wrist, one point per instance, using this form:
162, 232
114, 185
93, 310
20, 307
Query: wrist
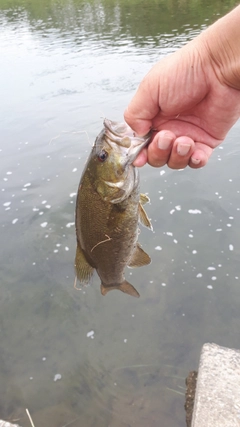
222, 43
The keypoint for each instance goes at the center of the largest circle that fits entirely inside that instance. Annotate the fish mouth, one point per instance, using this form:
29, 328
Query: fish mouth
116, 128
121, 134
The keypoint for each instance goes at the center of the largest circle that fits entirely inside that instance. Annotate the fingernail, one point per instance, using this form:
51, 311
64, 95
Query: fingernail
164, 142
183, 149
195, 161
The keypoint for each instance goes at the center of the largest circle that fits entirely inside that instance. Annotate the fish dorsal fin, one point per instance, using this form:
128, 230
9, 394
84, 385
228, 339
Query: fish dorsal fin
144, 199
143, 218
83, 269
139, 257
125, 287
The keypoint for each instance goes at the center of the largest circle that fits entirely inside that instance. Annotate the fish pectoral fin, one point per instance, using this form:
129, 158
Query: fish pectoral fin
125, 287
139, 257
84, 270
144, 199
143, 218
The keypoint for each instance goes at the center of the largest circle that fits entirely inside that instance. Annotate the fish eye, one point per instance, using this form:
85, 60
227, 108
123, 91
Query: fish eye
102, 156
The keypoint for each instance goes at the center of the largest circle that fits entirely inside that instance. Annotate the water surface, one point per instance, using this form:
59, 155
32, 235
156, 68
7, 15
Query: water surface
74, 357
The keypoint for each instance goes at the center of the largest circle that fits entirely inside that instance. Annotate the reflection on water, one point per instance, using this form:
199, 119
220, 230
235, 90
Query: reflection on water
74, 357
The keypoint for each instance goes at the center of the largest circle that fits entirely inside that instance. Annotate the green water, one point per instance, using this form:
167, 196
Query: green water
64, 66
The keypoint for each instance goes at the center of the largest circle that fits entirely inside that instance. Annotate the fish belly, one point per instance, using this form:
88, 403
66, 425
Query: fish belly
107, 233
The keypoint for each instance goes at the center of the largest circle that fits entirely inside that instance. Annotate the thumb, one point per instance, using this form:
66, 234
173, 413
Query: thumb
140, 125
143, 107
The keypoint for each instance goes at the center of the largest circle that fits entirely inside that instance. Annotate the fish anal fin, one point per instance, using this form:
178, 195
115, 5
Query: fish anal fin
125, 287
144, 199
83, 269
139, 257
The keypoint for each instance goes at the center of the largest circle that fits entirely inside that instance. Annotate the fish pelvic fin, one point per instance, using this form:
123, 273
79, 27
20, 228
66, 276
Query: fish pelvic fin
83, 269
139, 257
144, 199
125, 287
143, 218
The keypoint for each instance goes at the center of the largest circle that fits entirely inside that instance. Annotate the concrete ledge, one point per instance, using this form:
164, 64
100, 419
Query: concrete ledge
217, 399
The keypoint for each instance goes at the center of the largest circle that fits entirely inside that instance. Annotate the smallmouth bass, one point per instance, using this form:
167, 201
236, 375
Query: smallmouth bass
108, 208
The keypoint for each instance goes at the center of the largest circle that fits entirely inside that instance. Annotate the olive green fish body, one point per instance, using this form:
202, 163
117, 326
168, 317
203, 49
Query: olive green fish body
107, 214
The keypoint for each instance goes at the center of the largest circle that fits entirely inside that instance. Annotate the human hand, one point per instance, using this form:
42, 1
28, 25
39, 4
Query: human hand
190, 105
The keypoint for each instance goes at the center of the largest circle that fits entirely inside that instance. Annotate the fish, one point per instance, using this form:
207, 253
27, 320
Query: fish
109, 207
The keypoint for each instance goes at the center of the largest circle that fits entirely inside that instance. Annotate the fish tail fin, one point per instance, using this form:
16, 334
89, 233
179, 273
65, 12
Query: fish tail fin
125, 287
